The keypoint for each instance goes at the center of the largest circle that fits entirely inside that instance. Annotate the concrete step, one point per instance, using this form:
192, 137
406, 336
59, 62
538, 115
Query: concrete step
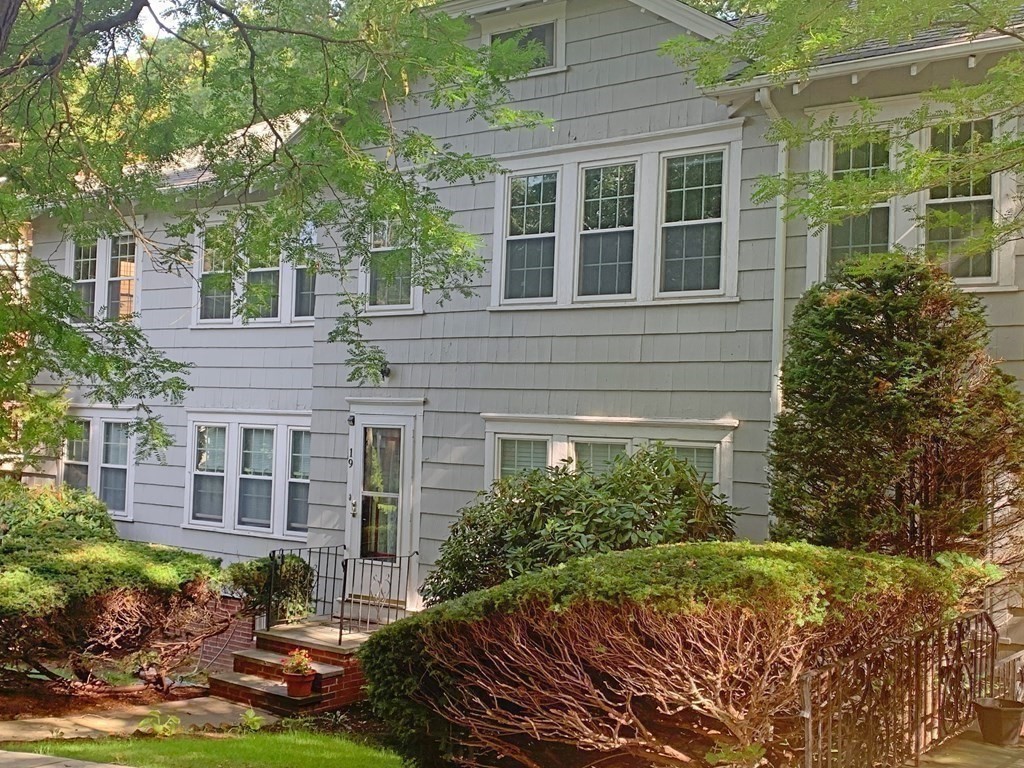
260, 692
1017, 612
268, 664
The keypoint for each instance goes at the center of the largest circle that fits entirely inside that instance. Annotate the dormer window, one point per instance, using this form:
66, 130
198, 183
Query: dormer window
537, 36
540, 26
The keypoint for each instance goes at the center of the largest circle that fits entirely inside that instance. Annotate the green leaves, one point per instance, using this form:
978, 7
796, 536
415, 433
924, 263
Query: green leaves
901, 434
542, 518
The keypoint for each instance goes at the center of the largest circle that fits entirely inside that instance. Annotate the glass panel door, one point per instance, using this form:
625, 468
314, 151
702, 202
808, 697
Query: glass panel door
381, 499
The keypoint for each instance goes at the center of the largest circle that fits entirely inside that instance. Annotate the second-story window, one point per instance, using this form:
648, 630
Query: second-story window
390, 269
691, 234
606, 236
83, 273
865, 232
263, 281
105, 274
542, 36
121, 277
215, 279
530, 246
305, 292
967, 207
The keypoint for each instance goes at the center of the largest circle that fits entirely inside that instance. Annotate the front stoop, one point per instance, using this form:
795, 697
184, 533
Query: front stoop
258, 680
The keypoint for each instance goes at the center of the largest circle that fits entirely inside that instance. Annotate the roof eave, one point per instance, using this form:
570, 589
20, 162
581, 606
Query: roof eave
885, 61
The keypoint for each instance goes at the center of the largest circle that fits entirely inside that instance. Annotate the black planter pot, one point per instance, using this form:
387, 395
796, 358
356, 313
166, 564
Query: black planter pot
1000, 720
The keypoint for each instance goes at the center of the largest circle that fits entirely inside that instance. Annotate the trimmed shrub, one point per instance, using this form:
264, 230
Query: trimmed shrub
71, 591
544, 517
293, 586
900, 434
677, 655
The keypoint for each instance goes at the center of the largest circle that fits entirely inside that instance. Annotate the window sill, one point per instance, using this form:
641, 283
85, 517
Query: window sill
243, 532
252, 325
553, 70
397, 312
618, 304
975, 288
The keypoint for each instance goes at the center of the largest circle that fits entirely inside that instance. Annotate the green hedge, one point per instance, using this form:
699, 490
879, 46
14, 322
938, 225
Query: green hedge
800, 585
541, 518
60, 548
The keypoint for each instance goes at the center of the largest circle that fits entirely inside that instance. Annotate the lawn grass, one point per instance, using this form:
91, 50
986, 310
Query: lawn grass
286, 749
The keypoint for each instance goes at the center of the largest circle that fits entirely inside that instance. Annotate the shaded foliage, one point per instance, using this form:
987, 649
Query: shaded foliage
901, 434
544, 517
72, 592
673, 655
294, 580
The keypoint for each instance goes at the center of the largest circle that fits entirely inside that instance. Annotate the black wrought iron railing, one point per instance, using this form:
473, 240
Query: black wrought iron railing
888, 706
304, 582
375, 591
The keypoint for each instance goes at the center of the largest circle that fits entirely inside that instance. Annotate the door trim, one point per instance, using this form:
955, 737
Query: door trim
404, 412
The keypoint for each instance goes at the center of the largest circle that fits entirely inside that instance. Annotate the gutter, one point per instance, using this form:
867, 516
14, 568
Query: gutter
764, 98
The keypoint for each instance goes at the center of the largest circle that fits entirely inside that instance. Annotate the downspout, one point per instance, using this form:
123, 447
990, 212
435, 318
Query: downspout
764, 98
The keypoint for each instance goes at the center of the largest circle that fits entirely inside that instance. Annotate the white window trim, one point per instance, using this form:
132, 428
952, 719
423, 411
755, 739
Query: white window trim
904, 229
649, 152
561, 432
282, 423
415, 307
96, 418
286, 290
104, 250
531, 16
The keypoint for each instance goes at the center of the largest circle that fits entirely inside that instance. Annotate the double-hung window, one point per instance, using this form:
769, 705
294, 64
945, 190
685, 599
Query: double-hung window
100, 460
256, 478
866, 232
691, 230
607, 236
104, 273
263, 287
956, 213
298, 481
389, 272
951, 223
121, 277
215, 284
208, 473
76, 457
249, 473
83, 273
305, 292
530, 246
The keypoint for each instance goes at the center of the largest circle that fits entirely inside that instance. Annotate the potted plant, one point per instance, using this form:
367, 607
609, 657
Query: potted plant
1000, 720
298, 673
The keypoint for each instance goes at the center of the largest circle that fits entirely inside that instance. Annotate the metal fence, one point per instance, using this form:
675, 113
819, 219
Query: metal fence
888, 706
304, 582
375, 591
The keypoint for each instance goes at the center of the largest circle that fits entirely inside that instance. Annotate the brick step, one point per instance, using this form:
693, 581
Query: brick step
264, 663
1017, 612
324, 652
265, 694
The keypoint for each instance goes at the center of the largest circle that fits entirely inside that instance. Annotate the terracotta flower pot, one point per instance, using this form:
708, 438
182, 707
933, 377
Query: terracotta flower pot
299, 685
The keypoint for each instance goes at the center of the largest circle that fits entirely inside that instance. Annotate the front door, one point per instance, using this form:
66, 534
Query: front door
379, 530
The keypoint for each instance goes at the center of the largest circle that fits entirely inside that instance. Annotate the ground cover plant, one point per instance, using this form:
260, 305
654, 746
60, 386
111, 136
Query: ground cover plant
74, 595
685, 654
900, 434
292, 748
536, 519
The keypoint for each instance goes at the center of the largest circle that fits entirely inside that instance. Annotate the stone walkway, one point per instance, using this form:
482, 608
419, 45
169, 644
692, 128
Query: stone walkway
193, 713
969, 751
29, 760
